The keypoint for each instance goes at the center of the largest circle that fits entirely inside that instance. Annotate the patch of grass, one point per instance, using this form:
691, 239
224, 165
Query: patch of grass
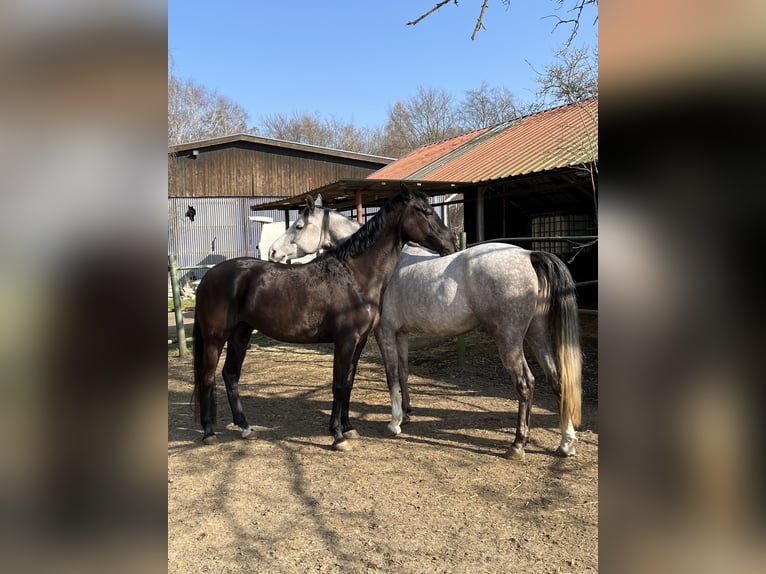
186, 304
173, 349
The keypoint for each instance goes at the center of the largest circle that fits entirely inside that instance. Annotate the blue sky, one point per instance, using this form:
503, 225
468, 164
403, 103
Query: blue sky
353, 59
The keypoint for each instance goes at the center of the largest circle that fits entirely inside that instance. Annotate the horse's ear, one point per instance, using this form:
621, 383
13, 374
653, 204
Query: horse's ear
405, 191
310, 203
319, 200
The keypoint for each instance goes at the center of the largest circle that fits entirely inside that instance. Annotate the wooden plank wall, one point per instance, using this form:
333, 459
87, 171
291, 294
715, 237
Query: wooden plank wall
251, 170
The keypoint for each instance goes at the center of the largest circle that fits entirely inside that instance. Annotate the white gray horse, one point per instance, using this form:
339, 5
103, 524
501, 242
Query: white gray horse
515, 294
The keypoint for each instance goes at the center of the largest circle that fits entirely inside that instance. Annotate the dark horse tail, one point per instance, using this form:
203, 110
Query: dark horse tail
558, 299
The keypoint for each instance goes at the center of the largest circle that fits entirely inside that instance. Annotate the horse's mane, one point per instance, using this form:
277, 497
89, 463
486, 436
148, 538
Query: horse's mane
368, 234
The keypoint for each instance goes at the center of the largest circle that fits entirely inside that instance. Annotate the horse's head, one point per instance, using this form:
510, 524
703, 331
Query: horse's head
304, 236
317, 228
421, 224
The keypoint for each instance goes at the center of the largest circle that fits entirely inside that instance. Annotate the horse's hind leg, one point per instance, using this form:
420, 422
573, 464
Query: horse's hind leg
387, 342
402, 348
539, 339
236, 348
512, 357
207, 409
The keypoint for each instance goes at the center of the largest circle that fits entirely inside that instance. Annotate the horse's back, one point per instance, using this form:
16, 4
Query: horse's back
488, 283
293, 303
220, 282
501, 267
502, 285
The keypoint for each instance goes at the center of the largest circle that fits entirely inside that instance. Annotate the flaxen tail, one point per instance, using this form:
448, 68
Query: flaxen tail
557, 289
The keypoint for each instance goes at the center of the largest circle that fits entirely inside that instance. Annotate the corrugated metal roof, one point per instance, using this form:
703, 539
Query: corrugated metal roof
404, 168
341, 195
556, 138
242, 137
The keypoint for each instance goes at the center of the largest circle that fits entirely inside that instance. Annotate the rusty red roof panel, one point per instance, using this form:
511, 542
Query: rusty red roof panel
422, 157
556, 138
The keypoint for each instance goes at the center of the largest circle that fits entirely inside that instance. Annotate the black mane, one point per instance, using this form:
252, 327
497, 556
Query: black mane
368, 234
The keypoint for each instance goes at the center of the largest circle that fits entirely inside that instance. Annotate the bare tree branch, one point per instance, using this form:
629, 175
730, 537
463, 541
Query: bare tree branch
431, 11
479, 24
575, 21
579, 6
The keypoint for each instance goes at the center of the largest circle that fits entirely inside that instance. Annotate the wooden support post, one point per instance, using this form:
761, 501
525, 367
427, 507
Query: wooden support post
461, 338
359, 207
479, 215
180, 331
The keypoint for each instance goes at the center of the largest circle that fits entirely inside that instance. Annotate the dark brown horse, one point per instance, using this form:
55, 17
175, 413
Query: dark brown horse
334, 299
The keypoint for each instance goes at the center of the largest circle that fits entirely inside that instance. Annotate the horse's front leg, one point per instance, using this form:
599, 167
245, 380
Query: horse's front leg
345, 359
345, 421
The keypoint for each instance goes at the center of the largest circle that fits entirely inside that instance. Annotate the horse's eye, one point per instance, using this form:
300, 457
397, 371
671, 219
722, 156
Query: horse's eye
299, 225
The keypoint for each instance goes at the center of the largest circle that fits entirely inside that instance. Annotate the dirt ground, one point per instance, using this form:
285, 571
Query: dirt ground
438, 498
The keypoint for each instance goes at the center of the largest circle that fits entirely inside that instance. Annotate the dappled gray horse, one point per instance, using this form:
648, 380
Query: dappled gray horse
515, 294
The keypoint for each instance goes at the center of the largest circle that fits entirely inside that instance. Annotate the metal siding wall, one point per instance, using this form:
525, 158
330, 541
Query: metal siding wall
221, 230
275, 214
442, 209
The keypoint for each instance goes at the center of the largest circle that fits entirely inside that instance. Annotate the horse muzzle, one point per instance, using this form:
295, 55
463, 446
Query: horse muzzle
453, 248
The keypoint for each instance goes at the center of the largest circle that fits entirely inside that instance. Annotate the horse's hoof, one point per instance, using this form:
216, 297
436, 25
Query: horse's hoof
393, 430
248, 433
405, 419
342, 446
565, 452
210, 439
352, 434
515, 453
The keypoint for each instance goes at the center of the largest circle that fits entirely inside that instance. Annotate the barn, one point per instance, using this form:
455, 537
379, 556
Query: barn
212, 183
532, 181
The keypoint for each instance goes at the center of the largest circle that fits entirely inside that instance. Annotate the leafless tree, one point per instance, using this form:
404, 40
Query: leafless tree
571, 78
427, 117
486, 106
314, 130
195, 112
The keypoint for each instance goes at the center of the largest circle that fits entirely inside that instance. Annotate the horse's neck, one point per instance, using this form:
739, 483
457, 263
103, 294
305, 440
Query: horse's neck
340, 228
376, 266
